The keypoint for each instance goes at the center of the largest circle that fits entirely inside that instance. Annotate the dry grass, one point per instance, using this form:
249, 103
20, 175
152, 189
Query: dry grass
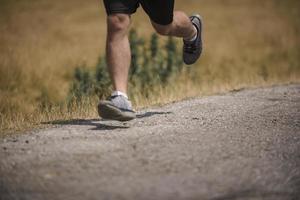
247, 43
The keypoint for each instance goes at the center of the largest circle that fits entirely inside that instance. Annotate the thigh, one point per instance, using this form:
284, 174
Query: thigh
120, 6
159, 11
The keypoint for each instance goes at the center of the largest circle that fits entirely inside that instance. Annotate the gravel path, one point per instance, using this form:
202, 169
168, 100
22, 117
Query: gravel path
240, 145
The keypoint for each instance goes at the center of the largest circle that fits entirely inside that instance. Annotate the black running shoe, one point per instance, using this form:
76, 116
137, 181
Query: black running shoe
192, 49
116, 108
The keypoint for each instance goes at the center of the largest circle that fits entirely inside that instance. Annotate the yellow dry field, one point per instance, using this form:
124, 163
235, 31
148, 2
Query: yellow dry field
247, 43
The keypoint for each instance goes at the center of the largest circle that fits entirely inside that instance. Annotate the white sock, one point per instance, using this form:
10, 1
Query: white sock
195, 37
118, 93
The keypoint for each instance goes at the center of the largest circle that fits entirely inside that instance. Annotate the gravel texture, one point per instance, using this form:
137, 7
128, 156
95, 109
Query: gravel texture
240, 145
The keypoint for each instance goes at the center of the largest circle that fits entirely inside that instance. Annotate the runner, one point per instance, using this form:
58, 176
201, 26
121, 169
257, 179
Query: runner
165, 21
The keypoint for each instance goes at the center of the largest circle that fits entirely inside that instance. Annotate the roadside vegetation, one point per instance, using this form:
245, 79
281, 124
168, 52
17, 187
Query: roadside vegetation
52, 64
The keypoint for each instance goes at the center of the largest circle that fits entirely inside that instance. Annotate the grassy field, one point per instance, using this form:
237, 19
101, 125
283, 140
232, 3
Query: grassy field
248, 43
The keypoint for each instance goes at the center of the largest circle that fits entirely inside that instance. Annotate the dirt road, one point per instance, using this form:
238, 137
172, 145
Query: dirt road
240, 145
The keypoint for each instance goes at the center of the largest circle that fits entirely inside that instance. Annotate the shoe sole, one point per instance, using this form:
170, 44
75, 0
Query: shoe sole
108, 111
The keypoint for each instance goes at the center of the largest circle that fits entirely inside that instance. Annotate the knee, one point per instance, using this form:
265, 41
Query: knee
162, 29
118, 23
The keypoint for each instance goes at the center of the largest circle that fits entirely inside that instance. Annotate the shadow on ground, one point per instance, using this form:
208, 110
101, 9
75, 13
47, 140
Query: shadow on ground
100, 123
87, 122
149, 114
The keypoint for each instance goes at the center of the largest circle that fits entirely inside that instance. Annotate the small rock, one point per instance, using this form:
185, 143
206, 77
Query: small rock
26, 141
48, 176
134, 146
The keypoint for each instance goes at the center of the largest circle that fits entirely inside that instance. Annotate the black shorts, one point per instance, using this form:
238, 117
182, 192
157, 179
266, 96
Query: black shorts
159, 11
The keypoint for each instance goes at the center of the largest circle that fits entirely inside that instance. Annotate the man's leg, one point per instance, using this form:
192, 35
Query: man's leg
188, 28
181, 26
118, 55
118, 58
167, 22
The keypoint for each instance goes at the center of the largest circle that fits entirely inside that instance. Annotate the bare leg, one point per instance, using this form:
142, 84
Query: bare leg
118, 53
180, 27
